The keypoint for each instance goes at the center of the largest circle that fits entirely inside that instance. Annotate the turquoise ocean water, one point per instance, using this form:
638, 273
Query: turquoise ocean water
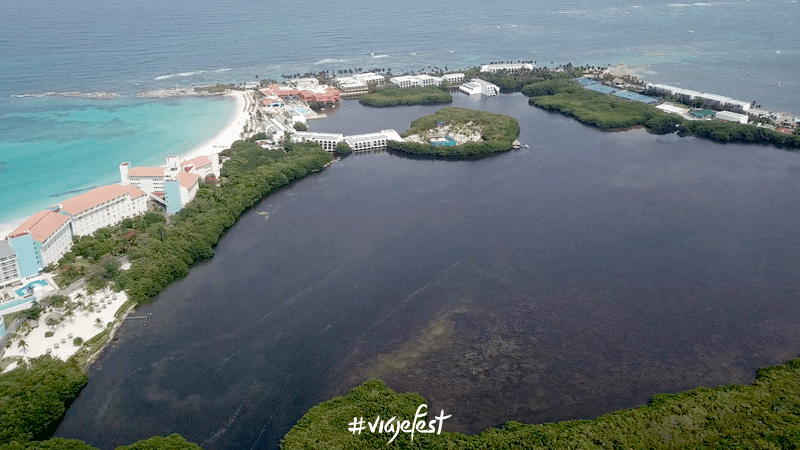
50, 146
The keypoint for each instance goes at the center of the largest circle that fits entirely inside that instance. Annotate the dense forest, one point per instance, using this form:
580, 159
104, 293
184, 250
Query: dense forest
392, 95
497, 133
764, 415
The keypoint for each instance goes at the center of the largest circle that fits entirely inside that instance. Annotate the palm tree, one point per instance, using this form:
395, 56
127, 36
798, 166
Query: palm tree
98, 323
23, 345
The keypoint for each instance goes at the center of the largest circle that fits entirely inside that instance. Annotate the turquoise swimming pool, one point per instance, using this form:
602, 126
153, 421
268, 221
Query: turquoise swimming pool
24, 290
447, 141
302, 111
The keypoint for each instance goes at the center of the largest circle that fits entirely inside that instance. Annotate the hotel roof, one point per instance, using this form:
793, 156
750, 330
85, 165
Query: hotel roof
5, 249
200, 161
41, 225
89, 200
146, 172
188, 180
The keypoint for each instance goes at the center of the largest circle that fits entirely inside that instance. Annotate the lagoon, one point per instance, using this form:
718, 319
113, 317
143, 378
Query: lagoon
573, 278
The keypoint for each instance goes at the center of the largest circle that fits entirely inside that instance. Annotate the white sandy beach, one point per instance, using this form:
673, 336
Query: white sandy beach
230, 133
83, 324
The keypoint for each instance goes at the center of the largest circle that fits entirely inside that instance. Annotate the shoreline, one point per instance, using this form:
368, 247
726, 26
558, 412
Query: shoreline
230, 133
220, 141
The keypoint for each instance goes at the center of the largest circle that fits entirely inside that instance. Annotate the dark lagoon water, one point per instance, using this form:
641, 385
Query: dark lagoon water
563, 281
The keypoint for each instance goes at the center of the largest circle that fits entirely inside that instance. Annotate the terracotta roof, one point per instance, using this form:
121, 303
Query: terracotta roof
188, 180
88, 200
146, 172
41, 225
200, 161
134, 191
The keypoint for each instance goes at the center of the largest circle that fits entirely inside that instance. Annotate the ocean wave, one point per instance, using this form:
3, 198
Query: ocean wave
182, 74
701, 4
380, 56
222, 70
679, 5
330, 61
46, 94
75, 94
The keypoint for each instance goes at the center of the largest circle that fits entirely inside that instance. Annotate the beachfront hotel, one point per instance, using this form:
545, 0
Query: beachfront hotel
9, 267
41, 240
308, 89
47, 235
423, 80
103, 207
359, 83
720, 99
477, 86
174, 185
494, 68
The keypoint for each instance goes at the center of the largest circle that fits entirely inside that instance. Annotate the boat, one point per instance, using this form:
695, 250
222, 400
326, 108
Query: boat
515, 144
527, 146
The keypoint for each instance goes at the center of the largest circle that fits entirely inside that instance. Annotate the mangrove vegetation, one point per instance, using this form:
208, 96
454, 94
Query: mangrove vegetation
393, 95
764, 415
485, 133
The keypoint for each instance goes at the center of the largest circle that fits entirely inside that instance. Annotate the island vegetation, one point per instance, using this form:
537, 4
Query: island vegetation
764, 415
480, 133
599, 110
393, 95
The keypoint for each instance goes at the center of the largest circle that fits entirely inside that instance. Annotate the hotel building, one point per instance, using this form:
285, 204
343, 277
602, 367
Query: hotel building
493, 68
174, 185
103, 207
477, 86
9, 268
357, 142
41, 240
416, 80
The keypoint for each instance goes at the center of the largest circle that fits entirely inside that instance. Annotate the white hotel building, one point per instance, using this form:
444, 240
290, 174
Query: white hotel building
416, 80
357, 142
494, 68
359, 83
174, 185
103, 207
477, 86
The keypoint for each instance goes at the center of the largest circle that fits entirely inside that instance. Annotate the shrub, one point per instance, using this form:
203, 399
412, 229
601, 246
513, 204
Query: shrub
48, 334
77, 342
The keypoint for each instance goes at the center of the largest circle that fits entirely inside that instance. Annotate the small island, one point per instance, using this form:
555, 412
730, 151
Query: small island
458, 132
392, 95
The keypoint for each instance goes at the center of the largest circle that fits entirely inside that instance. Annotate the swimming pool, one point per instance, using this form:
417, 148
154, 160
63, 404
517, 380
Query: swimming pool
446, 141
24, 290
302, 111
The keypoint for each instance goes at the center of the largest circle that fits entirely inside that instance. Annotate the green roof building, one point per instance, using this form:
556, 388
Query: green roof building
703, 113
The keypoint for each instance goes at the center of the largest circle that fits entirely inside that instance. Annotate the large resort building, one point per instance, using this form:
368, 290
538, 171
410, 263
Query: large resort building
719, 99
41, 240
359, 83
357, 142
46, 236
174, 185
494, 68
476, 86
103, 207
416, 80
9, 267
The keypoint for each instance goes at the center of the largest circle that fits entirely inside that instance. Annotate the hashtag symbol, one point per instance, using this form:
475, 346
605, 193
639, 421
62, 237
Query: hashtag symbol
357, 425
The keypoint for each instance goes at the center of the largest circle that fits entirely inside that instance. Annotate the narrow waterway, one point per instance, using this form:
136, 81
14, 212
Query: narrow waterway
575, 277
